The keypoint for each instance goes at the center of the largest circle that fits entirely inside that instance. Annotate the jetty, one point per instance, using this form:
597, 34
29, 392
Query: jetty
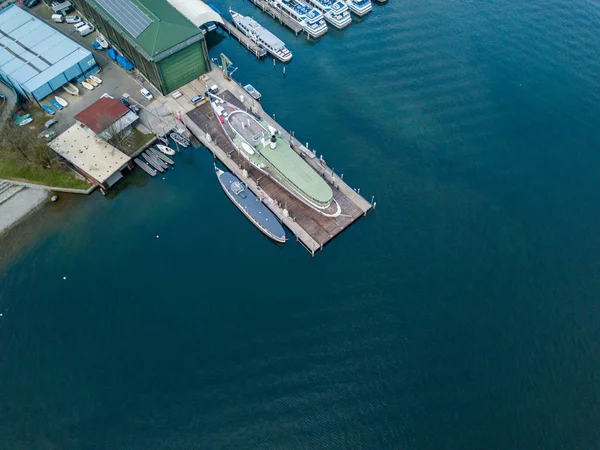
278, 15
252, 47
311, 228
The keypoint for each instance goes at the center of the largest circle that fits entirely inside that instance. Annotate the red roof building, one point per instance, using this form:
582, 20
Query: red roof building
104, 113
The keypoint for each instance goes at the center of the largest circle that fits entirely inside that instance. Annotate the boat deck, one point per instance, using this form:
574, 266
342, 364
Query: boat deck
252, 47
311, 228
278, 15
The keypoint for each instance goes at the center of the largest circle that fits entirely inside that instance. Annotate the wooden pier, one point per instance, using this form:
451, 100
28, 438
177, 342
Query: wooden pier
310, 228
278, 15
252, 47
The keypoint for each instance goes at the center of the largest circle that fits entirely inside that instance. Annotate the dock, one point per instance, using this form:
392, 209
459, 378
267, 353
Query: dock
277, 15
312, 229
252, 47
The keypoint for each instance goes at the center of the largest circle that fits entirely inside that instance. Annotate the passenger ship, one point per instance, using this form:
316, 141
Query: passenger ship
309, 18
261, 36
335, 12
360, 7
267, 150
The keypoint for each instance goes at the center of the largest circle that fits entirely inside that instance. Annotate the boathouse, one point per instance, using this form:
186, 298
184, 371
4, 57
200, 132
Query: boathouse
161, 38
36, 59
106, 118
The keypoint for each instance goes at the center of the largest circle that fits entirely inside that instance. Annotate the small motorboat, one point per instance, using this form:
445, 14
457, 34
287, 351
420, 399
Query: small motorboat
179, 139
102, 41
48, 109
92, 82
71, 89
25, 121
55, 104
87, 85
96, 79
97, 46
61, 101
20, 119
253, 92
166, 150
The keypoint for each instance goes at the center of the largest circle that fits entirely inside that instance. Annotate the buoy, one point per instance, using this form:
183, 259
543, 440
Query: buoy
54, 198
64, 278
157, 236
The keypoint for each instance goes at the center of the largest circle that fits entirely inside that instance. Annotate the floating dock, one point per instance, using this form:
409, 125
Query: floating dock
252, 47
311, 228
277, 15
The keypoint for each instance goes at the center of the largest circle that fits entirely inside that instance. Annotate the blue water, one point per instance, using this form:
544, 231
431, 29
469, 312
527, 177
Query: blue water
462, 314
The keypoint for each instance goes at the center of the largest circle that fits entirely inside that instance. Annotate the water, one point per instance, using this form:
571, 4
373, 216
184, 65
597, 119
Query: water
462, 314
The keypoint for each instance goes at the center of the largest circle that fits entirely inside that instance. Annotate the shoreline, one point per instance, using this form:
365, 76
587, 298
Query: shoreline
20, 206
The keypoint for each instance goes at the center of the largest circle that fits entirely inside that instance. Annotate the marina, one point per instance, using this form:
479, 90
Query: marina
313, 224
309, 18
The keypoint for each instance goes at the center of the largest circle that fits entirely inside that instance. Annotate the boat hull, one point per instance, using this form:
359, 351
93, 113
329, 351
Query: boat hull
254, 210
165, 149
71, 89
61, 101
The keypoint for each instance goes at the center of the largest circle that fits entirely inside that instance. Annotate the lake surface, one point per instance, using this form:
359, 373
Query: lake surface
462, 314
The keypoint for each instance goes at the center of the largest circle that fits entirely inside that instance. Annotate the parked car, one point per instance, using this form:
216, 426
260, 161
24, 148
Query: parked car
58, 18
72, 19
48, 134
50, 123
146, 93
31, 3
84, 31
197, 99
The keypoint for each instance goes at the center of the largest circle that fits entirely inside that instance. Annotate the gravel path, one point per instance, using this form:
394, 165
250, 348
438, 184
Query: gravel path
19, 206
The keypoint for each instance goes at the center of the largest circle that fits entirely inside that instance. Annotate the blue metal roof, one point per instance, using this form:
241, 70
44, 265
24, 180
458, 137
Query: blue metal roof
33, 54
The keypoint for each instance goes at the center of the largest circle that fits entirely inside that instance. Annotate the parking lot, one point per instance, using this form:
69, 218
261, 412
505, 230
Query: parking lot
115, 80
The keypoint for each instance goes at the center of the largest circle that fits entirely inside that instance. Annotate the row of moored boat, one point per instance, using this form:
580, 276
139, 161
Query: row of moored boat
156, 159
311, 15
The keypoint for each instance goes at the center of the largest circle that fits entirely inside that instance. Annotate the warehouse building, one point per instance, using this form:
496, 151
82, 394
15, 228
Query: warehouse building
161, 37
36, 59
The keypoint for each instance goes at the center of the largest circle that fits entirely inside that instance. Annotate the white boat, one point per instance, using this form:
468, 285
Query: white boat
71, 89
253, 92
166, 150
92, 82
25, 122
360, 7
304, 15
61, 101
102, 41
87, 85
334, 11
261, 36
96, 79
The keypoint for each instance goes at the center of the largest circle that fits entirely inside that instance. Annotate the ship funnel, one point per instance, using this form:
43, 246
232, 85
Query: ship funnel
273, 142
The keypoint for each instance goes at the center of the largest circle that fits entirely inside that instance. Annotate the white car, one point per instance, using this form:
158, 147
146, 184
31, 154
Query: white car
146, 93
73, 19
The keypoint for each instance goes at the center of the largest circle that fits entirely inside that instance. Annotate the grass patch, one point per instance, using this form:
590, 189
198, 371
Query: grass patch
134, 141
63, 178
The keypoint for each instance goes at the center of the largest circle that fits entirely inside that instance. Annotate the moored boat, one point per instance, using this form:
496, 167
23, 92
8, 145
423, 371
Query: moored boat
24, 122
261, 36
179, 139
48, 109
334, 11
55, 104
263, 146
62, 102
96, 79
145, 167
309, 18
87, 85
360, 7
165, 149
71, 89
251, 206
253, 92
153, 162
102, 41
160, 156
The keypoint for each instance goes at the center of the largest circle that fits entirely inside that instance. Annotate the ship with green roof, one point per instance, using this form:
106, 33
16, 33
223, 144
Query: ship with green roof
267, 150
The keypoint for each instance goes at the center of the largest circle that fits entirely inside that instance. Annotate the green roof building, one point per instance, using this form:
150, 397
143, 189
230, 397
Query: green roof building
162, 38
